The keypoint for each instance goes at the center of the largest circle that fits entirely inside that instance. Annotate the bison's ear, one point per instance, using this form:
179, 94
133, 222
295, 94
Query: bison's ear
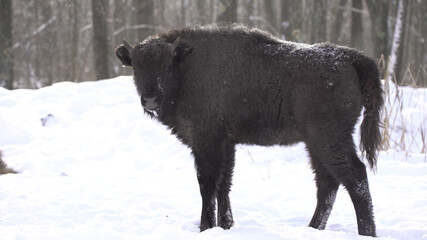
184, 48
180, 48
123, 54
172, 47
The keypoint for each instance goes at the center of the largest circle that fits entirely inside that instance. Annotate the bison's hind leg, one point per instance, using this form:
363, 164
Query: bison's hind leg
358, 188
327, 188
335, 160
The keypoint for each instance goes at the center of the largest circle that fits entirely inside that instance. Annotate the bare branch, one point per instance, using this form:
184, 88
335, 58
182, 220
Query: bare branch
34, 33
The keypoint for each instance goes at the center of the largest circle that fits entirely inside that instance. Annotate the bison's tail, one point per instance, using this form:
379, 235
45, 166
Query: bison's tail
373, 102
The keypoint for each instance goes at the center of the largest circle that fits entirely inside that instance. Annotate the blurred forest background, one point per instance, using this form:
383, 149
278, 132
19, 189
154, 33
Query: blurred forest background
48, 41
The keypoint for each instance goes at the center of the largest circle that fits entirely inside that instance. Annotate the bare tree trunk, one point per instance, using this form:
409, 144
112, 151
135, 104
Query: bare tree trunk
396, 53
145, 15
399, 68
337, 25
74, 40
249, 13
285, 19
421, 45
405, 61
291, 20
58, 53
202, 17
212, 11
307, 23
184, 4
6, 54
378, 11
45, 43
319, 22
271, 16
356, 25
100, 40
119, 21
227, 11
161, 9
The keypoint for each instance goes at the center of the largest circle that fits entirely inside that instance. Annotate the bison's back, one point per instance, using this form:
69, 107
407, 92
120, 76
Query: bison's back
258, 88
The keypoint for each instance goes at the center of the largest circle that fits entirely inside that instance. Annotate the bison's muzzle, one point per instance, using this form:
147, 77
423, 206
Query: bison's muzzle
151, 103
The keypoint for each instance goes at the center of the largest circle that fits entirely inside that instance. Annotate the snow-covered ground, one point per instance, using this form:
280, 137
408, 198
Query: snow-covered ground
93, 166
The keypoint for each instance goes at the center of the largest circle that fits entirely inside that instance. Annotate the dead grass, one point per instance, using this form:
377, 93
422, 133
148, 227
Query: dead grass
3, 167
398, 132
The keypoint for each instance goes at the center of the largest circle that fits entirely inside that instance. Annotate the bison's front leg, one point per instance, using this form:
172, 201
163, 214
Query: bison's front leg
207, 173
214, 165
225, 216
207, 190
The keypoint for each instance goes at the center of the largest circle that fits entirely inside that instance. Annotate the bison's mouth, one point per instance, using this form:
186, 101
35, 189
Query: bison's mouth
152, 107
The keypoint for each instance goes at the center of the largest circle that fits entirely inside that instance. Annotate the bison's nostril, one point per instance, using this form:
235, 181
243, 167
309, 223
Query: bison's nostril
150, 103
151, 100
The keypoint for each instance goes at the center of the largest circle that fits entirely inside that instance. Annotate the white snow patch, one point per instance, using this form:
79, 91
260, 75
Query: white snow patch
101, 169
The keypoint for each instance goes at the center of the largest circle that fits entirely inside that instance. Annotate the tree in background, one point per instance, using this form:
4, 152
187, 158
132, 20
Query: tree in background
379, 14
356, 25
227, 11
397, 46
420, 53
100, 38
318, 23
144, 18
271, 19
73, 40
202, 17
6, 57
291, 20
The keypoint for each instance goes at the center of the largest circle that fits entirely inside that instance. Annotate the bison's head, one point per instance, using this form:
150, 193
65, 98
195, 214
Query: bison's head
153, 63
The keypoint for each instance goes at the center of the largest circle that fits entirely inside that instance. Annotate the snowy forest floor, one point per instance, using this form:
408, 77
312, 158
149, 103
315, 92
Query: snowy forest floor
93, 166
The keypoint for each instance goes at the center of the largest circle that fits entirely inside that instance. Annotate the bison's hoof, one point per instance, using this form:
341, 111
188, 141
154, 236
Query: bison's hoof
206, 226
225, 223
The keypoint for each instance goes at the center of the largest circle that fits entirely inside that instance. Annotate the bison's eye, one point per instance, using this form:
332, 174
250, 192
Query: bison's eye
169, 68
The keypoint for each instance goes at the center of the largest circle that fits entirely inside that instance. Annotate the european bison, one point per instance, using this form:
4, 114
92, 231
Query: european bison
218, 86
